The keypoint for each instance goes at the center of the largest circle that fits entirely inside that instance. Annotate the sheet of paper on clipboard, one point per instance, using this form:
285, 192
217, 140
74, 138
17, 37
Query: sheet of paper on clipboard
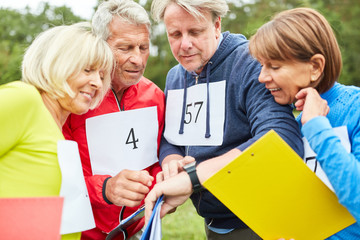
270, 188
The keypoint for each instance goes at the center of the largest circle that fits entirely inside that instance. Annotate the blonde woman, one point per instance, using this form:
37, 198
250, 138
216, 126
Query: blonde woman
65, 70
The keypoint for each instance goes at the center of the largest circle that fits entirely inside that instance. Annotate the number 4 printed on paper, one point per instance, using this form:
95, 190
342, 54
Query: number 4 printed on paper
131, 138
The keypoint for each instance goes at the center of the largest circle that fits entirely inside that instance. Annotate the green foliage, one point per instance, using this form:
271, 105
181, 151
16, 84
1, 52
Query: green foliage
18, 29
158, 65
246, 17
342, 15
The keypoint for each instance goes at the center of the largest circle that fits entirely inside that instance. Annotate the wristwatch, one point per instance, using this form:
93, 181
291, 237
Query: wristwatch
191, 170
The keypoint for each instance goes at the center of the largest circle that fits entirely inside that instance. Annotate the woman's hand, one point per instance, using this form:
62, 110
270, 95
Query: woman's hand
311, 104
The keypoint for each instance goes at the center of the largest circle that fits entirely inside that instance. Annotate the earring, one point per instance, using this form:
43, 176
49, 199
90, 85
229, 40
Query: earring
313, 78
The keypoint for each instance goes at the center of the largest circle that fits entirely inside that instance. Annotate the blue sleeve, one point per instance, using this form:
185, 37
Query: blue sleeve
282, 122
264, 114
341, 168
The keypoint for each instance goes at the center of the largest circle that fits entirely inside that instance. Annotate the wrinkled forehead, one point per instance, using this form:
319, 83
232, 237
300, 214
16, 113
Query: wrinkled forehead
197, 13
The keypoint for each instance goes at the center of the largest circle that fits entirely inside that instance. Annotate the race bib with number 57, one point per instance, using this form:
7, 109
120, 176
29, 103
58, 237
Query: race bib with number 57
195, 115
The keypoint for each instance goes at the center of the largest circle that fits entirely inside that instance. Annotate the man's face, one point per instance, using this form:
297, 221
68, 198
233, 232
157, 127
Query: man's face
130, 45
193, 42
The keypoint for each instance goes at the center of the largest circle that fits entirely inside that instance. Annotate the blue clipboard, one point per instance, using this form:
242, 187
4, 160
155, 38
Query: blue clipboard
125, 223
147, 232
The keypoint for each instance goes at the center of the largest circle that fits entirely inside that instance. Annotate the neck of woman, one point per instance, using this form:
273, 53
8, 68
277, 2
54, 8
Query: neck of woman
57, 112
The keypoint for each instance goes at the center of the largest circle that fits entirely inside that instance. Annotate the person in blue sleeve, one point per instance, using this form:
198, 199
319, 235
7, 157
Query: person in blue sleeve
215, 105
302, 63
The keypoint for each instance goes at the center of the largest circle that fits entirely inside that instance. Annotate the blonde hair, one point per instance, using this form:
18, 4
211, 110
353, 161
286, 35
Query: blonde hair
298, 34
59, 54
218, 8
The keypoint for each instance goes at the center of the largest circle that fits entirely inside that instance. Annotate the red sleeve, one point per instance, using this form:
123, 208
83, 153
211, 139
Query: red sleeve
156, 98
161, 115
94, 185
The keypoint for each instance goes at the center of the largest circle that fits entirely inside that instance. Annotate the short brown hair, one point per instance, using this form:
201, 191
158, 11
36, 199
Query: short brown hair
298, 34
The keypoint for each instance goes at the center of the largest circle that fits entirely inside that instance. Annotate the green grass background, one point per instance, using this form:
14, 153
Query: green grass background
185, 223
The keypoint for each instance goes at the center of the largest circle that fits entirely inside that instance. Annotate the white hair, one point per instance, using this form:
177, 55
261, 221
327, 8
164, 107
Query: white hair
127, 10
218, 8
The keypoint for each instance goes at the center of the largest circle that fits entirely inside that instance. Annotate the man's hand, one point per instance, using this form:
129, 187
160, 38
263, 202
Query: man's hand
128, 188
176, 189
172, 167
175, 169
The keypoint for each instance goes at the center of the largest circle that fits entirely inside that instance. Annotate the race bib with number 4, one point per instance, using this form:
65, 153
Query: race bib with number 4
122, 140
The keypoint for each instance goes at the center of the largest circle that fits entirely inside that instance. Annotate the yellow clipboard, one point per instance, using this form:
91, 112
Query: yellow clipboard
270, 188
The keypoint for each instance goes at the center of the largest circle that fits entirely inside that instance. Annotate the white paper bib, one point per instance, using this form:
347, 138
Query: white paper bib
122, 140
310, 155
195, 115
77, 215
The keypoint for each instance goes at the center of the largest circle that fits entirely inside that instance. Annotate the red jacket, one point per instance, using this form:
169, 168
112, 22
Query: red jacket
141, 95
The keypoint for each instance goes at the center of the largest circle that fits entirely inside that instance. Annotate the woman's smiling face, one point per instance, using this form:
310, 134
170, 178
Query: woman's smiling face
285, 78
86, 87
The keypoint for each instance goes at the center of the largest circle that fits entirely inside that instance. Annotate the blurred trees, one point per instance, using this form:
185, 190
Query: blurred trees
246, 16
18, 29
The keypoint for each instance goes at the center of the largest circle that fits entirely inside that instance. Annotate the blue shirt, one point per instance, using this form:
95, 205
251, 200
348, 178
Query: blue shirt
341, 168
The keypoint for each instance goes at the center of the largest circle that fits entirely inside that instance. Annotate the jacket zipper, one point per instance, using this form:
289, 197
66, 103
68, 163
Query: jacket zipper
117, 101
